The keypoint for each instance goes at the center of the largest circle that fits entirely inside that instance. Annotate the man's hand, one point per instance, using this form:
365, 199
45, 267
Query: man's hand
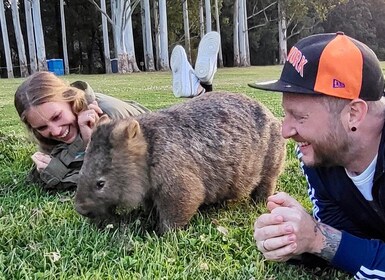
288, 230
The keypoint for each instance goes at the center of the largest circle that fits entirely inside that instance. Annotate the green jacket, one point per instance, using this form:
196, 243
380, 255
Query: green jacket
63, 170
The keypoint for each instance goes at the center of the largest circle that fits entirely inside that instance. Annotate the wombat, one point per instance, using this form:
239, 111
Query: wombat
212, 148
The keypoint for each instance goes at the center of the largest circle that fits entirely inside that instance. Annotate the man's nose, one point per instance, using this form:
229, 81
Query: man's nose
288, 130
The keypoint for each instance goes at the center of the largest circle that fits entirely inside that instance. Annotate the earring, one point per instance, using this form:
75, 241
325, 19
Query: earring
353, 128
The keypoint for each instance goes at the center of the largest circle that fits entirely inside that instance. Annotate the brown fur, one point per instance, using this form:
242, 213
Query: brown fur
212, 148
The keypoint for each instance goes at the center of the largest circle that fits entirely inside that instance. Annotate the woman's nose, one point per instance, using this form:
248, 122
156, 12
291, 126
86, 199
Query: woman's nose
55, 130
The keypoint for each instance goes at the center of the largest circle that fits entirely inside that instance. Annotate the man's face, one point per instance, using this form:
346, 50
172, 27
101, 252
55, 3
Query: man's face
319, 134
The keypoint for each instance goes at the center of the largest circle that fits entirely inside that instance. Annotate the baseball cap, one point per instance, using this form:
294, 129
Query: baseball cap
331, 64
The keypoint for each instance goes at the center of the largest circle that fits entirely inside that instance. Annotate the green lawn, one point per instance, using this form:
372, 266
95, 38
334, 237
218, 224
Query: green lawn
42, 236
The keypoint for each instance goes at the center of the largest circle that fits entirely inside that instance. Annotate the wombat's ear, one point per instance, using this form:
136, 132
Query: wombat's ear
133, 129
126, 129
103, 120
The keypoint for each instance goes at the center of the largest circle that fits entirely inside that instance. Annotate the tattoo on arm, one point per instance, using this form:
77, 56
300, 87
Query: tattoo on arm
331, 240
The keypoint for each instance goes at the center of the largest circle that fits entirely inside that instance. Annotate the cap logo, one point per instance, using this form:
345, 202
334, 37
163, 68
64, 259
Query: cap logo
338, 84
297, 59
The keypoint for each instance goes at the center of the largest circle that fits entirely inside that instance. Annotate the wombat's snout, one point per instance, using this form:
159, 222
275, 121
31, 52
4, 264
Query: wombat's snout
84, 212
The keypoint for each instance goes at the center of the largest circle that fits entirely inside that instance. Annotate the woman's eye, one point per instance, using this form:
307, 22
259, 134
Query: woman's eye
42, 128
55, 118
100, 184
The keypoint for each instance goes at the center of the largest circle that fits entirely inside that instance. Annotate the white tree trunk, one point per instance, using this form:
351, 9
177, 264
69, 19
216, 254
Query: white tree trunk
242, 34
39, 36
282, 29
106, 42
186, 25
19, 39
155, 9
130, 47
123, 38
246, 34
208, 15
236, 34
30, 36
220, 56
114, 27
201, 19
7, 50
164, 60
147, 36
64, 38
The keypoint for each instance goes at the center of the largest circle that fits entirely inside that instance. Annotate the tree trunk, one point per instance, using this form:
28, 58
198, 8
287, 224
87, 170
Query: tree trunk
30, 36
155, 8
130, 47
242, 34
164, 60
106, 42
220, 56
19, 39
246, 34
236, 33
39, 36
201, 19
7, 50
64, 38
208, 15
186, 26
147, 36
282, 34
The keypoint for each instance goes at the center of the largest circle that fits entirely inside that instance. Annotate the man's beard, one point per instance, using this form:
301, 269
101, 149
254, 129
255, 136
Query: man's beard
332, 149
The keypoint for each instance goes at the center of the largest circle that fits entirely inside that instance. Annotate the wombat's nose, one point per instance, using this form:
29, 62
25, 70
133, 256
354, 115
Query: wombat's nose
84, 212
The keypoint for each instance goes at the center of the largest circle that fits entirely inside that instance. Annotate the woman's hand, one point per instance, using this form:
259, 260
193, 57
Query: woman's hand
41, 161
87, 120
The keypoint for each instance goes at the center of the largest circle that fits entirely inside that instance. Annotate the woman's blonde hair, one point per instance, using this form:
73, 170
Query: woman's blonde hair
42, 87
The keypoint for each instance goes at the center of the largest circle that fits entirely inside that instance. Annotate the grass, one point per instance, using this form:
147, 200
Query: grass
42, 236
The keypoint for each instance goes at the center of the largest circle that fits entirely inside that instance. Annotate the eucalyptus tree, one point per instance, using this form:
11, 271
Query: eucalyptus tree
106, 41
218, 24
64, 38
155, 9
7, 49
147, 36
163, 36
19, 39
241, 35
208, 15
201, 19
241, 38
186, 25
39, 37
30, 36
121, 11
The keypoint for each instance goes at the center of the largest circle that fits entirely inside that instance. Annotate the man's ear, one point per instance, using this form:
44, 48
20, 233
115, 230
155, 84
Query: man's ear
357, 112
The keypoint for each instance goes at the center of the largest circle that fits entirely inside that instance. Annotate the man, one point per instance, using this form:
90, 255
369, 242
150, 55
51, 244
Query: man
333, 90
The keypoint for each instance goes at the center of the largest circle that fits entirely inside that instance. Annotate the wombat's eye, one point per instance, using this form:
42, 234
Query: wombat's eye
100, 184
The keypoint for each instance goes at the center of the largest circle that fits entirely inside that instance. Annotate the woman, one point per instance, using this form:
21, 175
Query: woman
60, 118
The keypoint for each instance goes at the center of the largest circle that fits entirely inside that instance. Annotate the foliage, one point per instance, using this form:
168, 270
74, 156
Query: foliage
42, 236
360, 19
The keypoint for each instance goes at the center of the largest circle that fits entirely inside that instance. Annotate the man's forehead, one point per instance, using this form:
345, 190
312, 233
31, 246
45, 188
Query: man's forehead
298, 100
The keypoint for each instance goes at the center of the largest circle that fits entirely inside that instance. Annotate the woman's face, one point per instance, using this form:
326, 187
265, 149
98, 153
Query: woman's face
54, 120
